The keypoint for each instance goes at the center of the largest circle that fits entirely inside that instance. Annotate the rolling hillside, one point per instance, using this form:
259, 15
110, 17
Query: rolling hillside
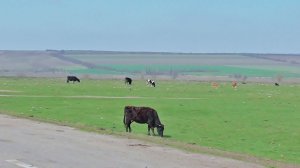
108, 64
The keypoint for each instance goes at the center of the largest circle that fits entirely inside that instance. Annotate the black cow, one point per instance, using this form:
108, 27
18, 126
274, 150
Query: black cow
151, 82
72, 78
128, 81
276, 84
143, 115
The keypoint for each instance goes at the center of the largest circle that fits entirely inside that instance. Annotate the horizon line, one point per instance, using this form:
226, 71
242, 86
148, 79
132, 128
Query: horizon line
149, 52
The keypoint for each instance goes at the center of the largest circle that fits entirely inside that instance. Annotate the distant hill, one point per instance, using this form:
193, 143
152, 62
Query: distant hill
110, 64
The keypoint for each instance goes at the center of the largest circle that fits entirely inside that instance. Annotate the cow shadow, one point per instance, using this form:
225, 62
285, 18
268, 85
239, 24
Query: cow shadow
167, 136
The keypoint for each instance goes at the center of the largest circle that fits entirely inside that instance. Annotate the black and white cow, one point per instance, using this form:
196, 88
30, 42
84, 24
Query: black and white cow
151, 82
72, 78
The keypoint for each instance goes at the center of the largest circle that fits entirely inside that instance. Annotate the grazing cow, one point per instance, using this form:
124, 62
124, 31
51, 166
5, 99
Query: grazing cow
72, 78
276, 84
143, 115
128, 81
215, 85
234, 84
151, 82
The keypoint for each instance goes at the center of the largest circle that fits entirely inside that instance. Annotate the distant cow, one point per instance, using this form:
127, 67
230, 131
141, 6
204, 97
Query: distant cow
143, 115
276, 84
215, 85
128, 81
234, 84
72, 78
151, 82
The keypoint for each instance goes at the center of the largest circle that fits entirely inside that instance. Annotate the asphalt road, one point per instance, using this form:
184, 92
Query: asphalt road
31, 144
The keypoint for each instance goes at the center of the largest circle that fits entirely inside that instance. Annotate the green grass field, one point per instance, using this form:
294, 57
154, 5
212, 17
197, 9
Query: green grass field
255, 119
186, 64
197, 70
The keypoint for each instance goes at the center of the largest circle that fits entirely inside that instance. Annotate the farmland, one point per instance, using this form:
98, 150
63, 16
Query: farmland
255, 119
140, 65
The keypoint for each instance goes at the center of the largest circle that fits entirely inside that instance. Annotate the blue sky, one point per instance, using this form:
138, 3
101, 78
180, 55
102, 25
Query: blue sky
255, 26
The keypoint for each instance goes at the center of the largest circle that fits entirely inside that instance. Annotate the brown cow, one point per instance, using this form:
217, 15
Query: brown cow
143, 115
215, 85
234, 84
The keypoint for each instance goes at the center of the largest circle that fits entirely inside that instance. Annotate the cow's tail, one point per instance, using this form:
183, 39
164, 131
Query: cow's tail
124, 119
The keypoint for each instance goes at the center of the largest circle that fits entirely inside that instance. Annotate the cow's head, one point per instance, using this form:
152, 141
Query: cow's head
160, 129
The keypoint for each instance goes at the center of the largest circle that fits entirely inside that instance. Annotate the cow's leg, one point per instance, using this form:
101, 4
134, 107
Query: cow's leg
127, 126
151, 125
148, 129
152, 129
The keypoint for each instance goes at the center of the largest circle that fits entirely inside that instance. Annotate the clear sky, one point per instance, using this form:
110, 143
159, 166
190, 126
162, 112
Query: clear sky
256, 26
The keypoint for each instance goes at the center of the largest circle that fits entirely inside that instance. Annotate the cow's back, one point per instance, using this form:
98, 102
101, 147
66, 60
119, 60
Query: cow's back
128, 80
144, 114
141, 114
73, 78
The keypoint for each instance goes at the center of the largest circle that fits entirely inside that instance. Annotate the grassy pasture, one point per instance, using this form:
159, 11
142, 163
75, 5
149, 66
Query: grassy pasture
209, 70
256, 119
